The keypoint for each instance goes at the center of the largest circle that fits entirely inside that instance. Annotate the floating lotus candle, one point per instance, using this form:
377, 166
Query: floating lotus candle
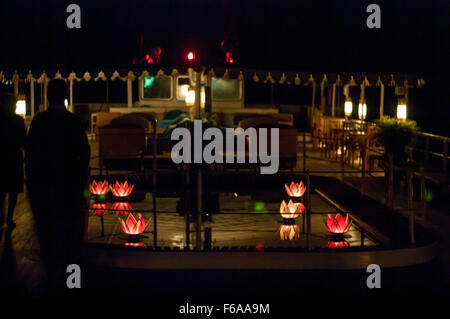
338, 225
121, 189
289, 232
291, 210
99, 208
295, 190
122, 207
133, 227
99, 188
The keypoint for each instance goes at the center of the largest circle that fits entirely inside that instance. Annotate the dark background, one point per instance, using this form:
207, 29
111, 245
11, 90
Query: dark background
308, 36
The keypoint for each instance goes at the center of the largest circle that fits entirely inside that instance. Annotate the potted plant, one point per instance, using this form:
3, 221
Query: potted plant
396, 136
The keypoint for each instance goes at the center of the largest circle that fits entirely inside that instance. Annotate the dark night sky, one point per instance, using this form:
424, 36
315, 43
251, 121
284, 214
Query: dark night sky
306, 35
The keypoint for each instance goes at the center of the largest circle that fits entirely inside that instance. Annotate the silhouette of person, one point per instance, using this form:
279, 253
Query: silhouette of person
12, 139
57, 172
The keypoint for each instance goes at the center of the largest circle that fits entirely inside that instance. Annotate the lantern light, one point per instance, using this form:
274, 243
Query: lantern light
190, 97
362, 110
401, 110
190, 56
21, 106
348, 107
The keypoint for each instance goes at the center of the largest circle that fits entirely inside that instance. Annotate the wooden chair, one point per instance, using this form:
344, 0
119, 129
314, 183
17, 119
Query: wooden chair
121, 143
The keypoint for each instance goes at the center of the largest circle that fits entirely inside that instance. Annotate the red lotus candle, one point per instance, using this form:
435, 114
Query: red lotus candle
295, 190
121, 189
133, 226
99, 188
338, 224
291, 210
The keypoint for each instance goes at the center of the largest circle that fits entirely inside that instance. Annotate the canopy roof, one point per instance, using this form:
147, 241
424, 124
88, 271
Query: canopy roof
259, 76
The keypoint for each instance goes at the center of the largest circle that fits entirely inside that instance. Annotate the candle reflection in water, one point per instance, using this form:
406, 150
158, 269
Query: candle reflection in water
338, 244
99, 209
289, 230
122, 207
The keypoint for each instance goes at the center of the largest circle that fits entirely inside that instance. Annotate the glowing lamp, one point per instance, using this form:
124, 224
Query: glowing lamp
190, 97
21, 106
121, 207
289, 232
190, 56
99, 208
348, 106
338, 225
202, 98
295, 190
362, 110
121, 189
66, 103
133, 226
100, 188
401, 110
291, 210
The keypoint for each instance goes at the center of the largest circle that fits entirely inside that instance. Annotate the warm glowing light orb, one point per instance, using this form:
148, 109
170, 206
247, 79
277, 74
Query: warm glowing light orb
348, 107
21, 107
190, 97
190, 56
401, 110
362, 110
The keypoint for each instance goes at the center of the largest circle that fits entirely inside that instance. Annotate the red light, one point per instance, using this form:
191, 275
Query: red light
229, 57
147, 56
190, 56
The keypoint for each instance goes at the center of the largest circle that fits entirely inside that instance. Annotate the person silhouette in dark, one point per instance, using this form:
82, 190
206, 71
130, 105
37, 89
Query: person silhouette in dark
12, 139
57, 172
